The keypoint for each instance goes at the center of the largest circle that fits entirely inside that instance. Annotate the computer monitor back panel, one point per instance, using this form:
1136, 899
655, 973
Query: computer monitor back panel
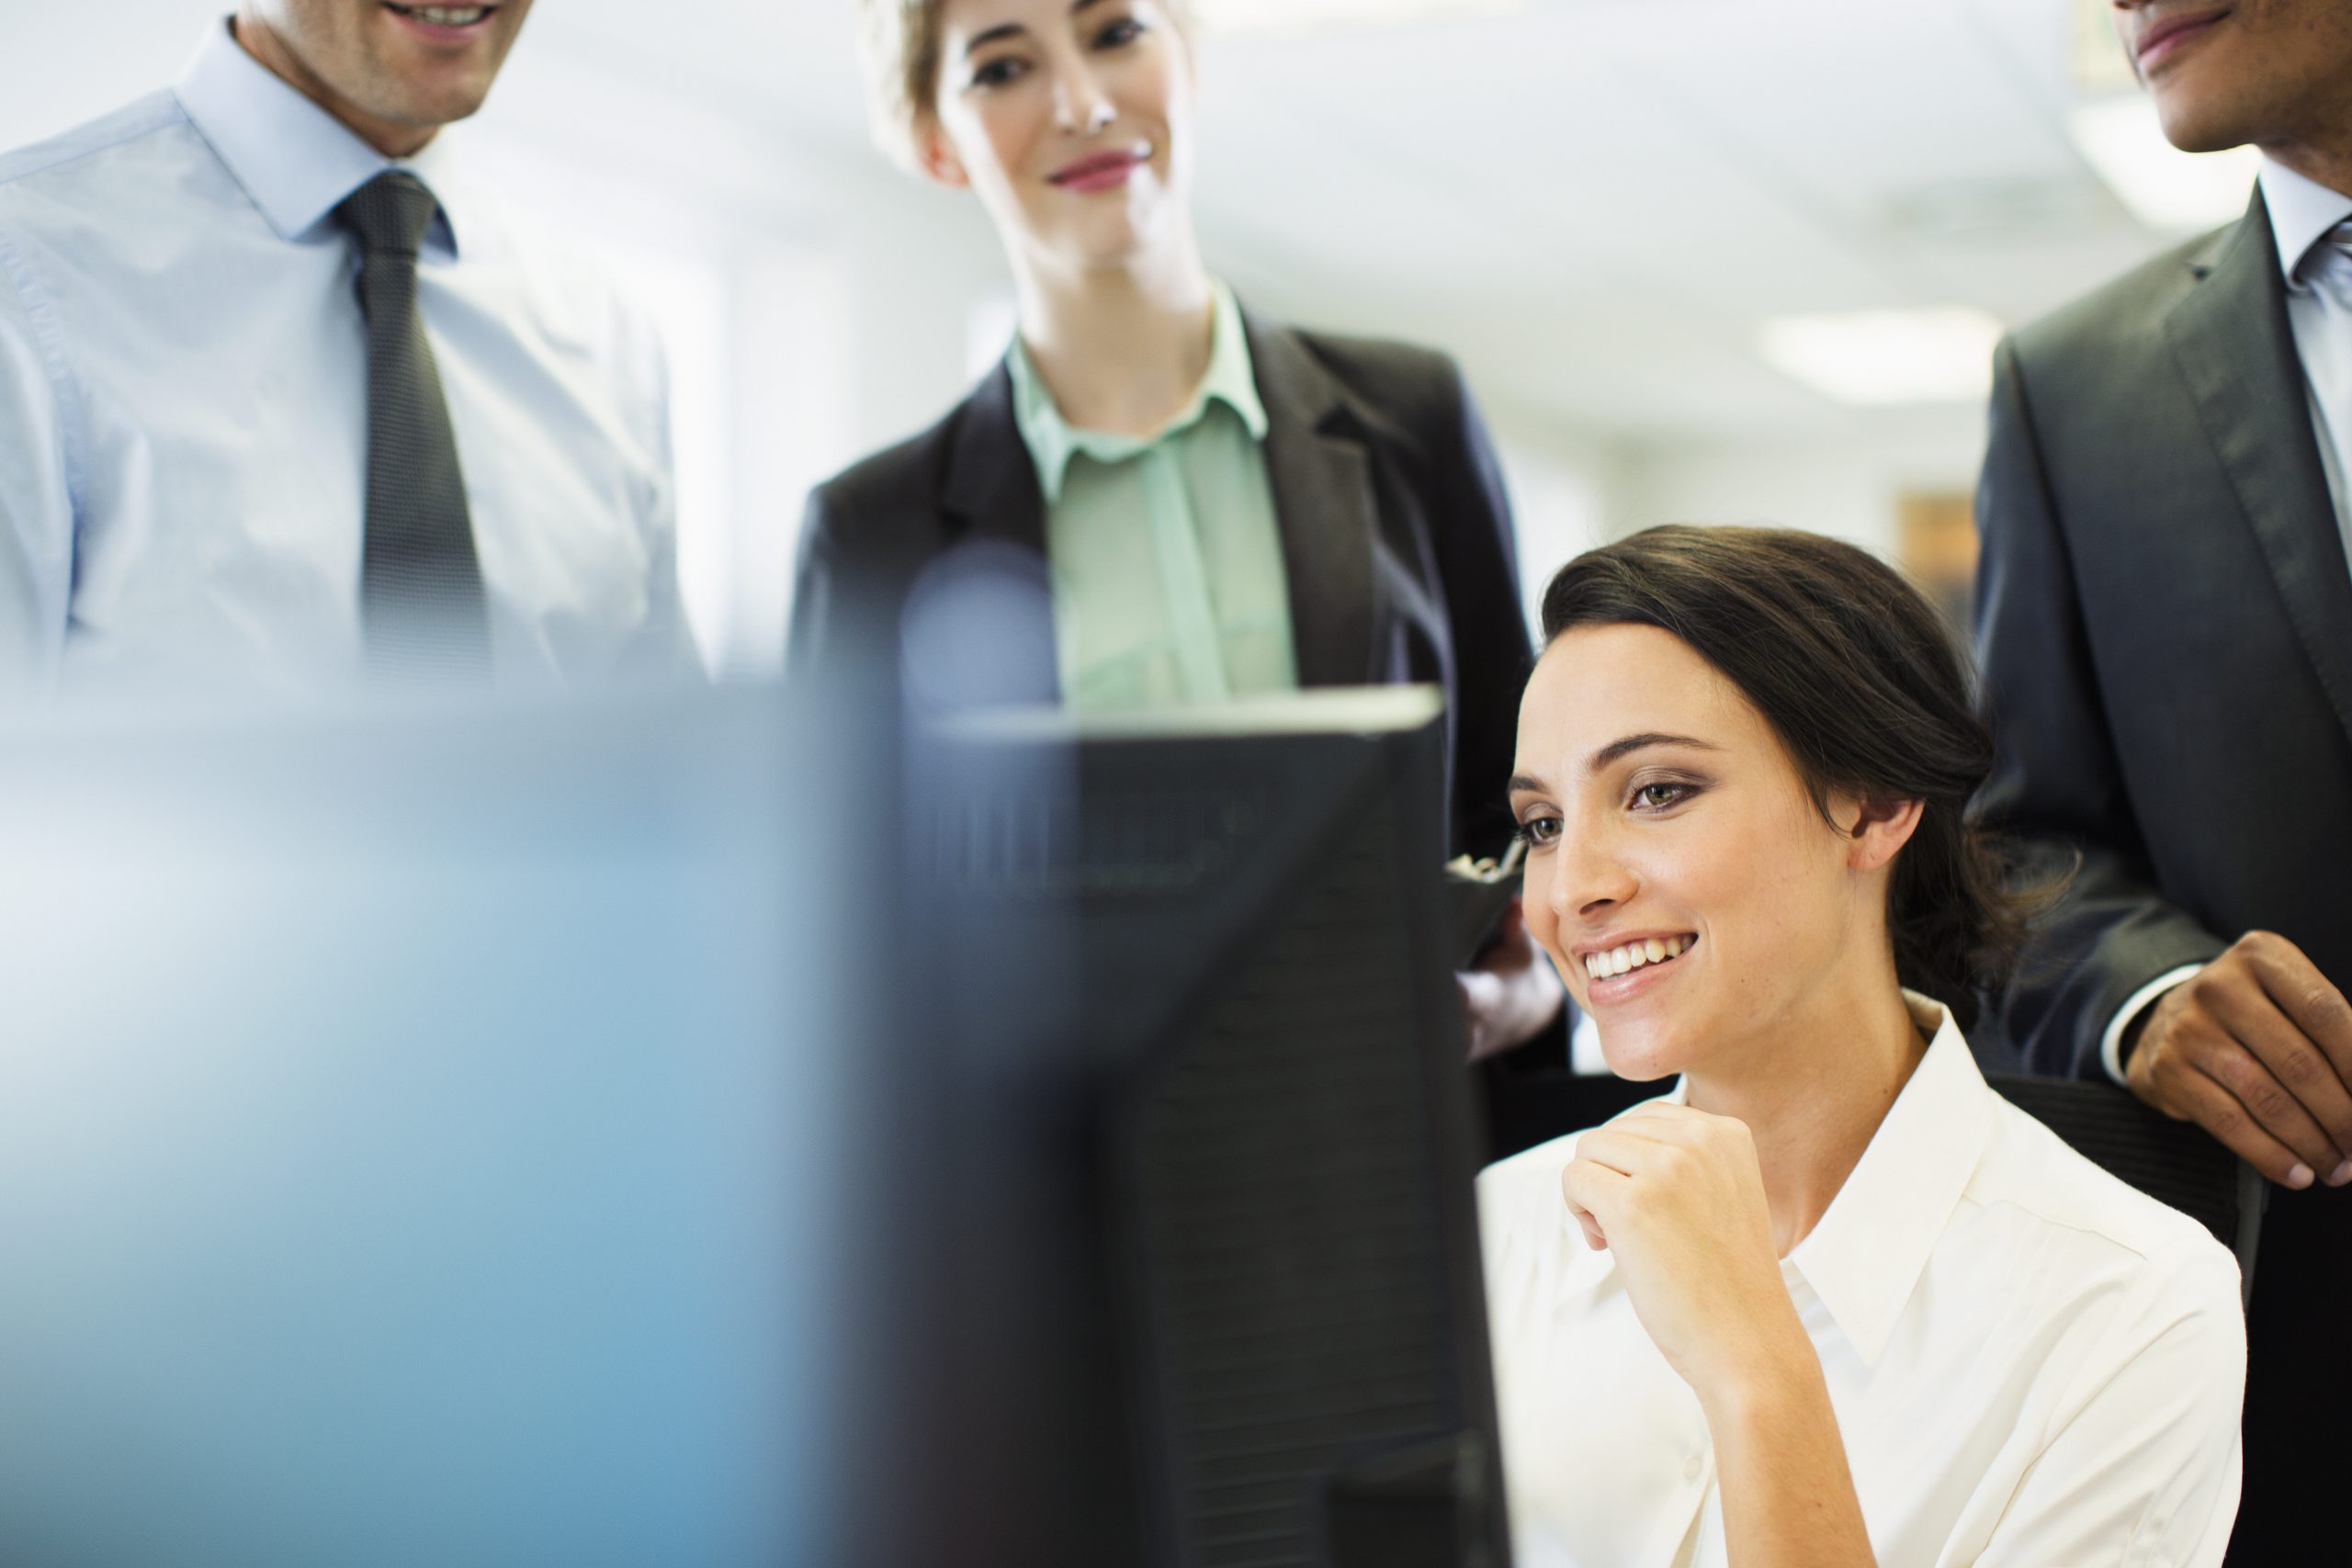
1218, 1157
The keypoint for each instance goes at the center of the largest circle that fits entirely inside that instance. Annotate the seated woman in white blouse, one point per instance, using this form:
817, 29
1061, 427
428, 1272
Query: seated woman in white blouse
1832, 1301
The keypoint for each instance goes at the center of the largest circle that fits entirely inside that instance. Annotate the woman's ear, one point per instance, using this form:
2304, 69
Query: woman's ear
1881, 829
936, 154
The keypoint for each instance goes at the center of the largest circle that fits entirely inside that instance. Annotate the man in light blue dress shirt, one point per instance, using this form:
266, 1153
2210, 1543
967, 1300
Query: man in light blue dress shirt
185, 381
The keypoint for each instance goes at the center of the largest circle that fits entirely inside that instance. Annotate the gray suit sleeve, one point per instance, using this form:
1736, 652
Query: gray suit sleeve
2057, 786
812, 632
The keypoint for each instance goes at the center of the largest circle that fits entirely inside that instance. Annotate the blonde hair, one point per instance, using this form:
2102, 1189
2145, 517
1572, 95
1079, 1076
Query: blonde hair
900, 45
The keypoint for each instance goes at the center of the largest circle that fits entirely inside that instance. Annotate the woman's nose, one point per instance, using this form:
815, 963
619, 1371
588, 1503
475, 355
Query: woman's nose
1593, 878
1080, 106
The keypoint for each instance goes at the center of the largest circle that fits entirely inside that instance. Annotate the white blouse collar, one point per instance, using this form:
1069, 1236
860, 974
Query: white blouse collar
1865, 1257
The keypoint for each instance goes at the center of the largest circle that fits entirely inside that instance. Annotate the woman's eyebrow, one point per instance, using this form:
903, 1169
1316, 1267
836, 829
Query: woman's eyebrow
1525, 783
1014, 29
994, 34
1617, 750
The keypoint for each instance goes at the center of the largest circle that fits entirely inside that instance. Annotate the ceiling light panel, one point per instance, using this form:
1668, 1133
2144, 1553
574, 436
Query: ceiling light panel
1887, 358
2164, 188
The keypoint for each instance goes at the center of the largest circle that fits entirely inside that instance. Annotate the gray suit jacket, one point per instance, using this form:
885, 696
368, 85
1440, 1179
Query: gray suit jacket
2165, 627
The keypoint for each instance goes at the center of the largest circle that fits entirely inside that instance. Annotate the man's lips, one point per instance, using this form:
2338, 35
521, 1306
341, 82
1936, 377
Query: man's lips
449, 23
2170, 34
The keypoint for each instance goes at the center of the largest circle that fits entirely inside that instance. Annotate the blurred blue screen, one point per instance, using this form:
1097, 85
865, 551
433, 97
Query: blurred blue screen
426, 1138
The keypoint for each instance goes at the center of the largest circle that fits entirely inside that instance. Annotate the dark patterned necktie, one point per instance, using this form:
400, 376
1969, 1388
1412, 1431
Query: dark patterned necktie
420, 585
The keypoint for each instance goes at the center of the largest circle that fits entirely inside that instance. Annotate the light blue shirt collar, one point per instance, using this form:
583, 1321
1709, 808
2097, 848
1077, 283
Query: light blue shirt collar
296, 161
2302, 213
1231, 379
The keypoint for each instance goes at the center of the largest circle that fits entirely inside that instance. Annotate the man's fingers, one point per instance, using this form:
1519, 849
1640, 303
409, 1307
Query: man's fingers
1480, 991
2212, 1107
2298, 1068
2309, 1001
2233, 1064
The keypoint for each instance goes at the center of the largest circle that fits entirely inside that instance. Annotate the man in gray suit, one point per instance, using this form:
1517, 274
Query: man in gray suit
2165, 621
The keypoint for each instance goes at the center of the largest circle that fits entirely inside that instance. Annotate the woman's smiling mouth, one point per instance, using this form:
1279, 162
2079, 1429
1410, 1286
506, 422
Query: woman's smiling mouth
1639, 953
1104, 171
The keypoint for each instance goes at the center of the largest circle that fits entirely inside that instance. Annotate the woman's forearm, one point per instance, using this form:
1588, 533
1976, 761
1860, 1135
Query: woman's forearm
1788, 1497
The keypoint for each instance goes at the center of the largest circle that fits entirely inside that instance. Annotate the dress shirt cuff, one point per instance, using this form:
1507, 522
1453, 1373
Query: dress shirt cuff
2110, 1044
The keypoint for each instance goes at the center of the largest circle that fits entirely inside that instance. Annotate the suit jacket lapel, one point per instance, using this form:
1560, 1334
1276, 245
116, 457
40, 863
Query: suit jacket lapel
990, 487
1322, 481
2232, 339
994, 511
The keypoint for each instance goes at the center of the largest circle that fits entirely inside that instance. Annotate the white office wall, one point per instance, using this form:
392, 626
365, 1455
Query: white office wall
1573, 493
1847, 486
1565, 494
62, 64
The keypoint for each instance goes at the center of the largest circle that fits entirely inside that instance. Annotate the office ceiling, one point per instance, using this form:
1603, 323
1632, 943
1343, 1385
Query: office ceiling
1602, 201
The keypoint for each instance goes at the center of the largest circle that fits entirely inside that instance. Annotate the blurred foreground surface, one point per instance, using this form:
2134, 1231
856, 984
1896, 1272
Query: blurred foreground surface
426, 1138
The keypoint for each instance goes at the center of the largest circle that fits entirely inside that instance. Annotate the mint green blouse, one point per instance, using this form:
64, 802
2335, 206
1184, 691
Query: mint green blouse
1166, 555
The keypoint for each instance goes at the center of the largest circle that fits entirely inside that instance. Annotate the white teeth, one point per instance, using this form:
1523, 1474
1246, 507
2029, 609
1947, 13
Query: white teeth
1635, 954
449, 15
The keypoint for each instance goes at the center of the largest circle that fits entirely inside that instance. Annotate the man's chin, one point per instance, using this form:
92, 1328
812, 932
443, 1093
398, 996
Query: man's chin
2200, 121
426, 112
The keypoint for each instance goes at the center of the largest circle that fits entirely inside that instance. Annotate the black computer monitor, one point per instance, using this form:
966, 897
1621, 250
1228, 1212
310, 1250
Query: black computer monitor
1206, 1270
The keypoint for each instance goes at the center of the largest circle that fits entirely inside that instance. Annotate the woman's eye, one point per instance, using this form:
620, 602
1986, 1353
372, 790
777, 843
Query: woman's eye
1539, 832
1125, 30
999, 72
1658, 796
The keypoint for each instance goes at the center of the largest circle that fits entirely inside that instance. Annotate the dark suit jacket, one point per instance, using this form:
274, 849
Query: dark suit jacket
2165, 625
1396, 535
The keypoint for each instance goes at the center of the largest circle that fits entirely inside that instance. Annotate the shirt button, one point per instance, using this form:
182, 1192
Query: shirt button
1691, 1466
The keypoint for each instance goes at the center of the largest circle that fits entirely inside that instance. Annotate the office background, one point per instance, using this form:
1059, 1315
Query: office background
1704, 260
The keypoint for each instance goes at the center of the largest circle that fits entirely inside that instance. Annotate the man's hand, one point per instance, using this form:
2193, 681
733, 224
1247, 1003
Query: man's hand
1513, 994
2257, 1050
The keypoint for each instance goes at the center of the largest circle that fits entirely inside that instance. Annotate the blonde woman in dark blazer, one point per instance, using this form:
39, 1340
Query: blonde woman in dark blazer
1176, 500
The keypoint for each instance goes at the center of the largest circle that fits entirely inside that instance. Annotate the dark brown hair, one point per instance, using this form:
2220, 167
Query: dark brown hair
1867, 687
